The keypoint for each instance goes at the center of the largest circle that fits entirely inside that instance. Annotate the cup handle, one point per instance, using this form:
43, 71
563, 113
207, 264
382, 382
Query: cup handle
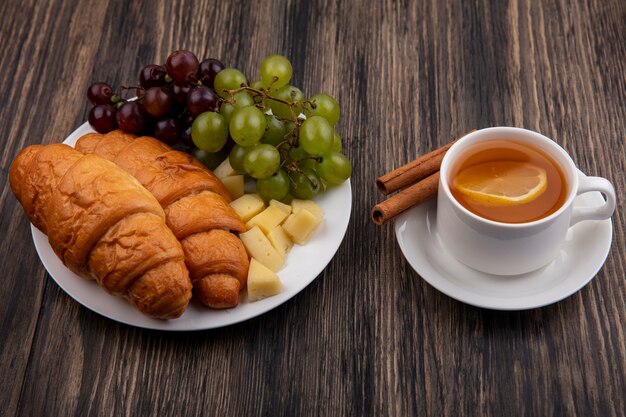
602, 212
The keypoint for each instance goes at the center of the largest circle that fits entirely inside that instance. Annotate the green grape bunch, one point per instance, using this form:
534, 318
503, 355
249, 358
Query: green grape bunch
269, 131
286, 143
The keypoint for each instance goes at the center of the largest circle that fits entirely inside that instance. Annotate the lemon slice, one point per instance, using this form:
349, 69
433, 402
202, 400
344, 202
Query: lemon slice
502, 183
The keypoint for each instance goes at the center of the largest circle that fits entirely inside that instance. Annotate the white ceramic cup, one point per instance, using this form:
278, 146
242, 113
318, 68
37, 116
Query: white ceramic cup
514, 248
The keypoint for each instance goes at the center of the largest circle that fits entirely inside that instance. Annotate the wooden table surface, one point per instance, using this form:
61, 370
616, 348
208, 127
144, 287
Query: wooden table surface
369, 337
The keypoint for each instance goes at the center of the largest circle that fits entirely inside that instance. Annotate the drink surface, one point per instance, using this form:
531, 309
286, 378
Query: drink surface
508, 181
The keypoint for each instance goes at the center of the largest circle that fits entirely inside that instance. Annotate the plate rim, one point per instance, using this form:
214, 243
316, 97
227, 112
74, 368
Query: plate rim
343, 194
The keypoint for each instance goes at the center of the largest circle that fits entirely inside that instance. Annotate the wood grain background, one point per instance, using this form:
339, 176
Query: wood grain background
369, 336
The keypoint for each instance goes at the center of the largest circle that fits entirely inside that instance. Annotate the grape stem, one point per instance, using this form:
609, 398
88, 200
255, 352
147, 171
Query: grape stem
292, 168
118, 99
264, 94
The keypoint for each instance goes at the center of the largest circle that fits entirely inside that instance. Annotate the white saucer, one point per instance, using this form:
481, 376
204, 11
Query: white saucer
582, 255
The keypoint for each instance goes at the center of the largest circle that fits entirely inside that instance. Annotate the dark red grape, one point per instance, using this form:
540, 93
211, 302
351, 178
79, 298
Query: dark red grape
182, 66
180, 91
201, 99
157, 101
209, 69
132, 117
102, 118
167, 130
185, 136
99, 93
152, 76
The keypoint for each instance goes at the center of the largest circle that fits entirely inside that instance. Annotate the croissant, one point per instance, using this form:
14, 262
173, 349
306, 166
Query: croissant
103, 225
196, 210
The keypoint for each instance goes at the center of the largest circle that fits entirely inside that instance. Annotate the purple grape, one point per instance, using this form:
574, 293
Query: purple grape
157, 101
185, 136
152, 76
167, 130
102, 118
132, 117
180, 91
201, 99
209, 69
182, 66
99, 93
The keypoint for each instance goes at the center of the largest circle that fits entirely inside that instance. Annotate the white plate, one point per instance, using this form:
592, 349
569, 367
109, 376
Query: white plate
582, 255
303, 264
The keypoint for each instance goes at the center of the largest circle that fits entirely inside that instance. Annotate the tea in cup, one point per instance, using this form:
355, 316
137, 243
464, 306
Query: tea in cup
506, 200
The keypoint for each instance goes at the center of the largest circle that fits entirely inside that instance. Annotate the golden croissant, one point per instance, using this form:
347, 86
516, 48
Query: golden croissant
103, 225
196, 210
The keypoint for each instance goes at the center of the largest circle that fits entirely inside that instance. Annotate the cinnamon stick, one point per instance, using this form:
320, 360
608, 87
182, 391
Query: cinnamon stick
416, 194
414, 171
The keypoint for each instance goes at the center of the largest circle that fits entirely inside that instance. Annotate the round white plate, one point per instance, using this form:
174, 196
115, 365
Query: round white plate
582, 255
303, 264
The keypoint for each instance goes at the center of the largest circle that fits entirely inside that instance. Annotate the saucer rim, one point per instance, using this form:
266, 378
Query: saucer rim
428, 272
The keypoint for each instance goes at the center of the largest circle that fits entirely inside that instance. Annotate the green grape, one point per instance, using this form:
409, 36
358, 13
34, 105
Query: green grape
290, 126
275, 187
313, 165
261, 161
337, 145
247, 125
257, 85
290, 94
242, 99
209, 131
210, 159
316, 136
335, 168
235, 157
275, 131
325, 106
287, 199
306, 184
227, 110
323, 185
275, 71
309, 163
297, 153
228, 79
